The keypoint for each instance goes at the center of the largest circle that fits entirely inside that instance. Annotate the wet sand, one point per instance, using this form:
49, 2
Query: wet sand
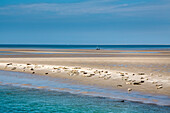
143, 72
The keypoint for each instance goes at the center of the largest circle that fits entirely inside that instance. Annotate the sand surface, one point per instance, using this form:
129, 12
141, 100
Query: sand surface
117, 70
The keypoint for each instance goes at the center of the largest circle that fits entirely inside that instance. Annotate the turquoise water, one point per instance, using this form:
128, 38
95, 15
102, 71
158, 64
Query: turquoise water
20, 92
16, 99
110, 47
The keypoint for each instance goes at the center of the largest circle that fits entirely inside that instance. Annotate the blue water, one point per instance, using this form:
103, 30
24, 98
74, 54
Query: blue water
110, 47
10, 53
23, 100
65, 97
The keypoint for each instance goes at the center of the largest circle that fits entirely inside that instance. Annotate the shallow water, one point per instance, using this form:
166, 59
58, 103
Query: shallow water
16, 99
25, 53
139, 52
27, 93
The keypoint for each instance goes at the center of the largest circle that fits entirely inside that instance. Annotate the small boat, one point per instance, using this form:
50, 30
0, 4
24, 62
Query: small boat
97, 48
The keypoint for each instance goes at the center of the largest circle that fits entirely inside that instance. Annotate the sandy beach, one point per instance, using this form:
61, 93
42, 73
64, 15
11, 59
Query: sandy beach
143, 71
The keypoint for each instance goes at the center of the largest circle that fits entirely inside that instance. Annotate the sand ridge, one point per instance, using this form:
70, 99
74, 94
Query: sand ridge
125, 81
143, 72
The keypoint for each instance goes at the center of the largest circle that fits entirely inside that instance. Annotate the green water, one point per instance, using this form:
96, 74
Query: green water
22, 100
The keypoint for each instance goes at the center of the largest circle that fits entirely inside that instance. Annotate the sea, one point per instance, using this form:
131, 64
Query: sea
27, 93
107, 47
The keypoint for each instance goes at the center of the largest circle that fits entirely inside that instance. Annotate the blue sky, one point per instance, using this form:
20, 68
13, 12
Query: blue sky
85, 21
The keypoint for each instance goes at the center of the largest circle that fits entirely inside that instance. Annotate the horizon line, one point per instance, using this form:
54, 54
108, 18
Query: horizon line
75, 44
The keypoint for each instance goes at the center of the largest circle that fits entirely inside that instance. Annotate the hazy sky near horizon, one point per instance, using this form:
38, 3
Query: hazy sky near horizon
85, 21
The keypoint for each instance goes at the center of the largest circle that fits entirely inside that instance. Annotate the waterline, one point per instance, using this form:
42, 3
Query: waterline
55, 84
